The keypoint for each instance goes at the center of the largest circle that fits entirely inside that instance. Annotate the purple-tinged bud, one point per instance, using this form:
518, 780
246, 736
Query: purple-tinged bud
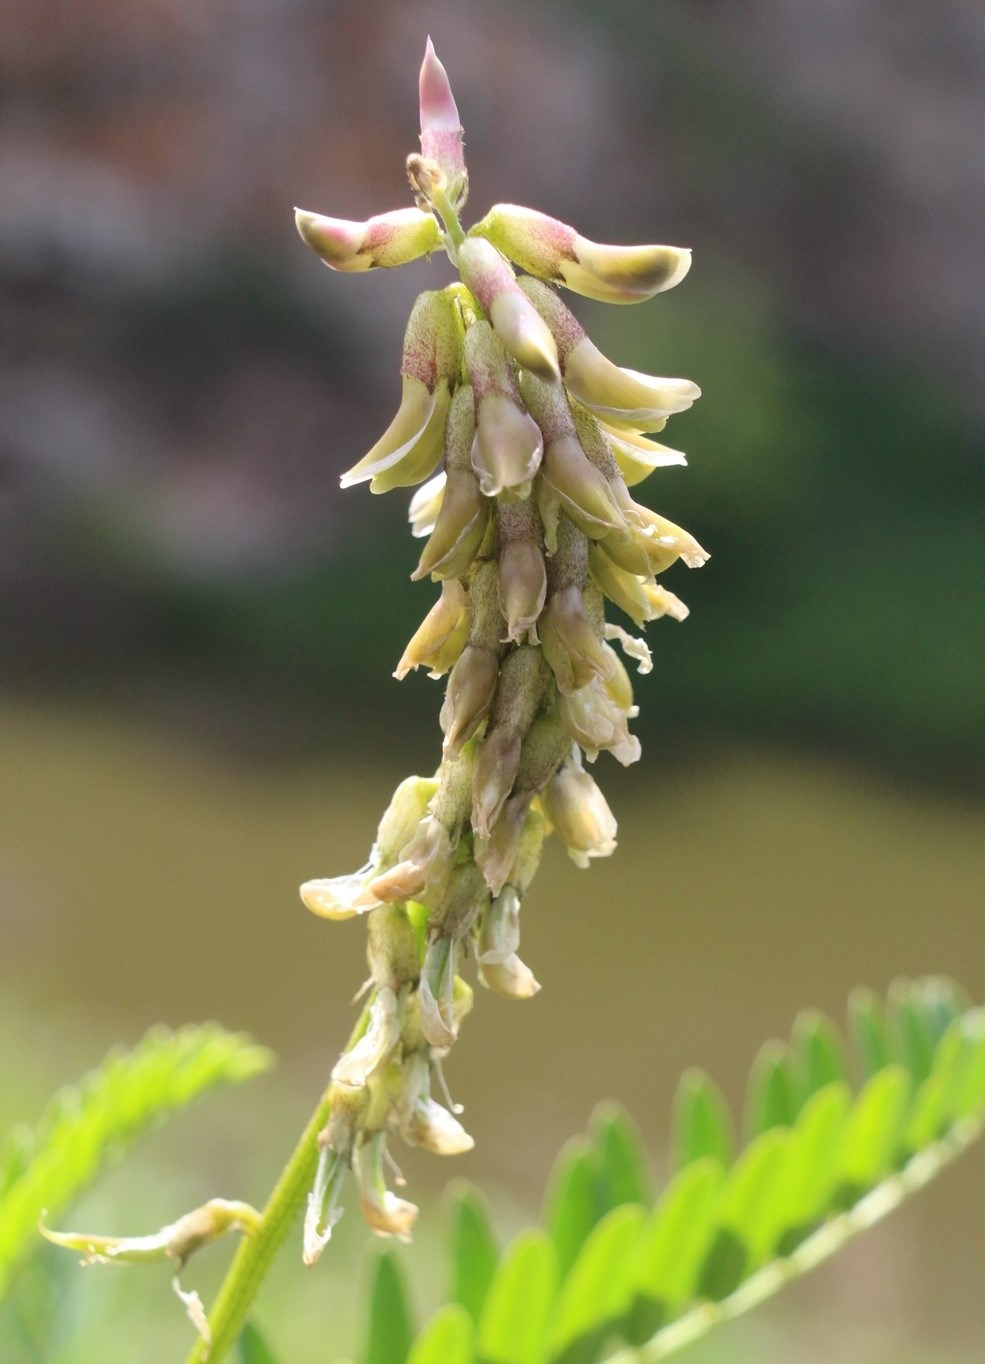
471, 687
636, 456
580, 815
507, 450
553, 251
496, 855
355, 1066
496, 764
522, 586
425, 505
595, 721
386, 1214
569, 643
438, 642
409, 450
517, 323
621, 397
382, 242
441, 128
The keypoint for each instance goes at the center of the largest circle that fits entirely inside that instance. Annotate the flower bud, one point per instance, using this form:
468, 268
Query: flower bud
496, 855
426, 1123
402, 817
496, 764
553, 251
458, 531
511, 978
569, 643
507, 450
580, 814
425, 505
596, 721
323, 1211
436, 994
341, 897
387, 1214
410, 448
471, 688
515, 321
424, 866
626, 590
441, 128
636, 456
373, 1049
384, 241
439, 640
621, 397
499, 932
522, 586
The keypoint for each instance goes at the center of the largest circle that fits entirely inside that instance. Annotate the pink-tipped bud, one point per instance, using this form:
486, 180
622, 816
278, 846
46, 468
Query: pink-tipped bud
441, 128
387, 240
517, 323
553, 251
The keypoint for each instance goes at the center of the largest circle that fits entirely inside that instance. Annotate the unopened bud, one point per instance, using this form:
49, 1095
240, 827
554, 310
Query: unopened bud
441, 128
637, 456
438, 642
553, 251
459, 530
516, 322
569, 643
522, 586
386, 1214
511, 977
596, 721
409, 450
499, 932
323, 1211
496, 855
580, 815
373, 1048
402, 817
382, 242
436, 994
471, 687
626, 590
507, 450
496, 764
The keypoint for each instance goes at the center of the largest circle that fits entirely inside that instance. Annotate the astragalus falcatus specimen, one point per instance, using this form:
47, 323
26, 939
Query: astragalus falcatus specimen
523, 441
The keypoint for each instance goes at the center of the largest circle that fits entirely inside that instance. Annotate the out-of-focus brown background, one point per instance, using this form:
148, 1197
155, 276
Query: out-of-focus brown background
197, 629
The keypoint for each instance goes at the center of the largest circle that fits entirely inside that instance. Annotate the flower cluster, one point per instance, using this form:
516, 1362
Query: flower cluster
525, 441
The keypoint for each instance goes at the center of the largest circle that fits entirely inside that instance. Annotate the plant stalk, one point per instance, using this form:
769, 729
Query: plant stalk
256, 1251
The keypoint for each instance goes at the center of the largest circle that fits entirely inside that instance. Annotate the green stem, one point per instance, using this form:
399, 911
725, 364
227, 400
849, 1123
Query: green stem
256, 1251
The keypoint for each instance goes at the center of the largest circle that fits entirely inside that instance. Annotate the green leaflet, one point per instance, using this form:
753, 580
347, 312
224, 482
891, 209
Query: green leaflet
474, 1251
702, 1124
446, 1339
573, 1203
253, 1349
513, 1325
89, 1125
389, 1331
822, 1163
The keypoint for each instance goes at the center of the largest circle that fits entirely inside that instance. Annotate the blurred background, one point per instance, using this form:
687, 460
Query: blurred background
197, 630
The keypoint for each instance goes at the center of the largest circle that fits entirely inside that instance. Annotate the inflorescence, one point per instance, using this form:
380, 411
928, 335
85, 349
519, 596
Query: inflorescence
525, 440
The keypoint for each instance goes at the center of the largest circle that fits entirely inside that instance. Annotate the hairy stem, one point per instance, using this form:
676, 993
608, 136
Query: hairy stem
256, 1251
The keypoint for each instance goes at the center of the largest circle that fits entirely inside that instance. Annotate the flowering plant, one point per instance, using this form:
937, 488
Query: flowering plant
524, 441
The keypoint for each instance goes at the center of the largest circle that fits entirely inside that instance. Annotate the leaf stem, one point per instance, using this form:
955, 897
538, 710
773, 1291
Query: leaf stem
256, 1251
